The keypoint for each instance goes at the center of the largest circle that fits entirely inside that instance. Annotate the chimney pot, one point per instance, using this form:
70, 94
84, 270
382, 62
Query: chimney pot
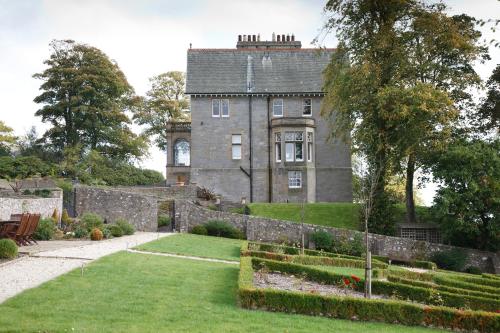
254, 37
258, 37
239, 38
283, 38
293, 37
287, 38
279, 38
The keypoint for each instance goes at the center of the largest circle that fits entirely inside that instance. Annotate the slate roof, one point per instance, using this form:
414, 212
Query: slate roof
273, 70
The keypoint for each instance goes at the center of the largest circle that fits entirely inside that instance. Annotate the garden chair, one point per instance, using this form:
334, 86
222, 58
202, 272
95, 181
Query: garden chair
15, 231
33, 224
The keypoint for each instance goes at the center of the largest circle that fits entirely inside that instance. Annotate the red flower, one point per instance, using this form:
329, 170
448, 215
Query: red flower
346, 281
355, 278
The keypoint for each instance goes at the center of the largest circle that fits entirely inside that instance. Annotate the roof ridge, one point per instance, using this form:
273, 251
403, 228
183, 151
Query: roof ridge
260, 50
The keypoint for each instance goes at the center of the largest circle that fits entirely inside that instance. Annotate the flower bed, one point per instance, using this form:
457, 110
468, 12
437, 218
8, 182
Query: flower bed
389, 311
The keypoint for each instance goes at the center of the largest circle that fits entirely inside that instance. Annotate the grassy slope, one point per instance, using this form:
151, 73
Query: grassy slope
331, 214
128, 292
195, 245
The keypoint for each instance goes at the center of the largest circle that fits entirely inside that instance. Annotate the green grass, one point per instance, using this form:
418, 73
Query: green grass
331, 214
196, 245
129, 292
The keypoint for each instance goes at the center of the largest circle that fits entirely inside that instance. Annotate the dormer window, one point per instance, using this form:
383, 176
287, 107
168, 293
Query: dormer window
307, 107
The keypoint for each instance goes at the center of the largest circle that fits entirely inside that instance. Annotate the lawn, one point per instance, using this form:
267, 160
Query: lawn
130, 292
195, 245
331, 214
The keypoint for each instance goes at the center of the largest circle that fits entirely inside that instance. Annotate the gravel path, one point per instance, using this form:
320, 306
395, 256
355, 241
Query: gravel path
31, 271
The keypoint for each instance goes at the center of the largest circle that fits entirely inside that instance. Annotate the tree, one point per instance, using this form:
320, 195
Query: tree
7, 139
488, 115
164, 102
395, 60
467, 203
85, 96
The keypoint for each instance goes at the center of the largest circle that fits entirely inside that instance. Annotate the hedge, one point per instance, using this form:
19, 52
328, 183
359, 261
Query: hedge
480, 281
424, 284
404, 273
446, 281
312, 260
388, 311
491, 276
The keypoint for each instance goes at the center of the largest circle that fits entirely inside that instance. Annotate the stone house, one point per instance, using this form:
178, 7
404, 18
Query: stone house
256, 131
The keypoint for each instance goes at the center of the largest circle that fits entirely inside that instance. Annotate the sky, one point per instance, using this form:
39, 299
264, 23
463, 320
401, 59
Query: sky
149, 37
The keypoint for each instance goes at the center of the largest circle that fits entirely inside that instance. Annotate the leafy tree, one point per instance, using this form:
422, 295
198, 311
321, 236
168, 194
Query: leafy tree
31, 145
468, 201
24, 167
164, 102
7, 138
84, 97
488, 116
400, 71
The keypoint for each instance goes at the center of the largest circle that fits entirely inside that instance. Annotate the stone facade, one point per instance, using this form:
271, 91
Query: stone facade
262, 229
141, 210
31, 204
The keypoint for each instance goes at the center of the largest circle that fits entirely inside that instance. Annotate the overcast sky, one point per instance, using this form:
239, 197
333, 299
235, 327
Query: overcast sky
149, 37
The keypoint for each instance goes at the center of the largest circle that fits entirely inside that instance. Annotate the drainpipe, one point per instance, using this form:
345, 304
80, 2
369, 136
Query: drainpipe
250, 144
269, 170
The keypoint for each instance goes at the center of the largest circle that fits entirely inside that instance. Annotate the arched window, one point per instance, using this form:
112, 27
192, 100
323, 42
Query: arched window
182, 156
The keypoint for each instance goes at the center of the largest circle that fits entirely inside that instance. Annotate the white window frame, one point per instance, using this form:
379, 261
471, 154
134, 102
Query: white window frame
236, 144
293, 143
294, 179
304, 107
277, 146
276, 105
220, 109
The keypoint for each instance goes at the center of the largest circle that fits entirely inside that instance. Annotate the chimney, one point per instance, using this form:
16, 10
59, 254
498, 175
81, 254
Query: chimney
239, 38
293, 38
258, 37
254, 38
279, 38
288, 38
274, 37
283, 38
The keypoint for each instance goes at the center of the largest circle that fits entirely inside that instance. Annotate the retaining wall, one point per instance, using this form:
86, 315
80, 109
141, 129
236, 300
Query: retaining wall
31, 204
263, 229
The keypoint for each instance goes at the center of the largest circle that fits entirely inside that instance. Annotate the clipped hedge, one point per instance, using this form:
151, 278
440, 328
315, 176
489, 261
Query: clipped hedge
388, 311
480, 281
406, 274
295, 250
491, 276
424, 284
446, 281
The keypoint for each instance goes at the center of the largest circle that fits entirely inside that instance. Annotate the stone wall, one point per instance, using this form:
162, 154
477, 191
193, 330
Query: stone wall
139, 209
167, 193
262, 229
31, 204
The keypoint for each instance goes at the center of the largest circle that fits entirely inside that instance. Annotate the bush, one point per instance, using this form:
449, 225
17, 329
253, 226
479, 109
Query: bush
388, 311
322, 240
205, 194
223, 229
8, 249
115, 230
473, 270
45, 229
91, 221
163, 220
106, 231
453, 260
352, 247
96, 234
127, 228
81, 232
199, 230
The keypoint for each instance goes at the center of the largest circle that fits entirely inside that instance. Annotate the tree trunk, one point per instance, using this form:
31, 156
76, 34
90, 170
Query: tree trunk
411, 216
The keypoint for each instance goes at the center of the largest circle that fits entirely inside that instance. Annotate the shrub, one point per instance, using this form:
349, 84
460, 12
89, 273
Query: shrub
352, 247
322, 240
222, 229
205, 194
45, 229
8, 249
199, 230
106, 231
65, 219
473, 270
91, 221
452, 259
55, 215
81, 232
115, 230
163, 220
127, 228
96, 234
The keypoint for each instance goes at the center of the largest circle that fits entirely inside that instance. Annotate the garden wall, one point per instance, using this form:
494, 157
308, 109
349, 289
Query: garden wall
31, 204
168, 193
139, 209
263, 229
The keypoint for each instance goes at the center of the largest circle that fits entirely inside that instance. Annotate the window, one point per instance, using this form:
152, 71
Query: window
293, 146
278, 107
181, 153
220, 107
309, 146
277, 145
236, 146
307, 107
294, 179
